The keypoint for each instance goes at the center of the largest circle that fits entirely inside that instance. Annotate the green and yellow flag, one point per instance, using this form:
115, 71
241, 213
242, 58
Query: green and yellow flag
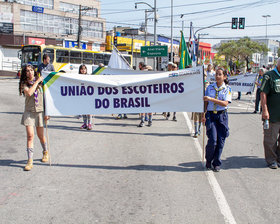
185, 59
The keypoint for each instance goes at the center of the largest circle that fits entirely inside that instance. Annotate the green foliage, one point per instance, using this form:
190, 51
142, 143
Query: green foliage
241, 50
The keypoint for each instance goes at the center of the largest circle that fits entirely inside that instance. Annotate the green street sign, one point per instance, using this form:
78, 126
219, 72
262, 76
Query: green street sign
154, 51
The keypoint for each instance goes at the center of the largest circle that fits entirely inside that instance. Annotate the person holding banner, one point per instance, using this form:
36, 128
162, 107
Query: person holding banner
30, 85
217, 97
270, 101
258, 93
86, 117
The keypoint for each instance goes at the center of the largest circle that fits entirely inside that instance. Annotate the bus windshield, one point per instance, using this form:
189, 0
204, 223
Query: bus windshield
31, 55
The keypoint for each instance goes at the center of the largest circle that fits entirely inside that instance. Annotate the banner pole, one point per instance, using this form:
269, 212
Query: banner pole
203, 148
49, 148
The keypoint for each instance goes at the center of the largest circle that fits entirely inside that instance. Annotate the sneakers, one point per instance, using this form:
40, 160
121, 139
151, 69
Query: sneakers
273, 165
168, 115
124, 116
119, 116
45, 156
174, 118
89, 127
141, 124
195, 135
84, 126
29, 165
255, 112
217, 169
149, 123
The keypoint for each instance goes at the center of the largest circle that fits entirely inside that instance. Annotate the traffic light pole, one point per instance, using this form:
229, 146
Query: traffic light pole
203, 28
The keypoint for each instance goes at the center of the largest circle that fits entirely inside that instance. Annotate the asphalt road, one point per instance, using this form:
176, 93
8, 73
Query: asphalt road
118, 173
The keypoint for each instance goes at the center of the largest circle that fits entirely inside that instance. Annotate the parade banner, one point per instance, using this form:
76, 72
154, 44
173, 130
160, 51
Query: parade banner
75, 94
241, 83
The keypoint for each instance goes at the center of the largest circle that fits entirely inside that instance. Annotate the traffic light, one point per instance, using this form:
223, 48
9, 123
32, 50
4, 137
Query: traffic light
234, 23
241, 23
115, 40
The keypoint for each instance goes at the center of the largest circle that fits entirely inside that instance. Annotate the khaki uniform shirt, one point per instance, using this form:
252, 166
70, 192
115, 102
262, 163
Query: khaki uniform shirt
30, 101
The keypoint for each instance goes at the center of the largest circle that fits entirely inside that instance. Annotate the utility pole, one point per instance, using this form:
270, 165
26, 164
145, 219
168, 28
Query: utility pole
79, 23
155, 31
171, 30
79, 26
146, 23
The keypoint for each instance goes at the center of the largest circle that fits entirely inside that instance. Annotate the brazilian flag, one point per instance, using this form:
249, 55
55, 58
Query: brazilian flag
185, 59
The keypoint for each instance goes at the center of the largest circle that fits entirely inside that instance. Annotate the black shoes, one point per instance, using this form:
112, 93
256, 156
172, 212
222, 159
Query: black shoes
273, 165
141, 124
208, 166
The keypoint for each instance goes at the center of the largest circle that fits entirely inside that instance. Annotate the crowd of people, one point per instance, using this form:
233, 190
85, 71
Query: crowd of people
217, 98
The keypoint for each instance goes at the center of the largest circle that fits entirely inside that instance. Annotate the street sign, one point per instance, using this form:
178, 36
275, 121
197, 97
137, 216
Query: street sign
153, 51
37, 9
6, 28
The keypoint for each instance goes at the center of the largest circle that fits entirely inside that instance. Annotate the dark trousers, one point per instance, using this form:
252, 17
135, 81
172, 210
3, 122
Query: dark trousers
217, 131
258, 98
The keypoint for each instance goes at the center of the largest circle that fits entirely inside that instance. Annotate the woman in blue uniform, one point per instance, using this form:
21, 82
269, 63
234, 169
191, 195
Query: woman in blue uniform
217, 97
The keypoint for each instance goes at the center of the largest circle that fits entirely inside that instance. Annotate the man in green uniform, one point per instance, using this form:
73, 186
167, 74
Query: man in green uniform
270, 101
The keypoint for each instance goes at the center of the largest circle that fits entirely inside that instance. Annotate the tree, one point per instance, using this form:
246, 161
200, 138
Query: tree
241, 50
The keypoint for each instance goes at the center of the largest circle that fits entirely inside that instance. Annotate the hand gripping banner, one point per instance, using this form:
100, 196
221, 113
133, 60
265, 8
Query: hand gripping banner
76, 94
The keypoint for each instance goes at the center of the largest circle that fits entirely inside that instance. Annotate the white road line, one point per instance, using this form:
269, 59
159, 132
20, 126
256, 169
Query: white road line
218, 193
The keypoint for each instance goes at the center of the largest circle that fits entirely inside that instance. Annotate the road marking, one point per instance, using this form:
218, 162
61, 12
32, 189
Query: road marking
218, 193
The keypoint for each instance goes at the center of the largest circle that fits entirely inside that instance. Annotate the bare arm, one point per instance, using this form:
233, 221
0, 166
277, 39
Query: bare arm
265, 114
30, 91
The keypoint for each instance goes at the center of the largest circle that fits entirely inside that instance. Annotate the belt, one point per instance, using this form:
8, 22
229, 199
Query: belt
218, 112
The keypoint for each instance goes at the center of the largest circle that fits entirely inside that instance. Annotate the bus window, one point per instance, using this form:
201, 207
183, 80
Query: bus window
87, 58
50, 52
98, 58
30, 55
106, 59
62, 56
75, 57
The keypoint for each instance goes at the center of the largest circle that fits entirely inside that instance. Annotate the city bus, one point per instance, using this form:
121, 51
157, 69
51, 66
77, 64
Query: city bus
65, 59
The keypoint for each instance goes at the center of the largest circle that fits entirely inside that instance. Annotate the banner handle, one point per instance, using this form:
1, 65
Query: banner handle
49, 148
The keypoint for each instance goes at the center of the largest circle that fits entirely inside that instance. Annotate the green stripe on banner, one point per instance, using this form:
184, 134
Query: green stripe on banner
50, 79
98, 70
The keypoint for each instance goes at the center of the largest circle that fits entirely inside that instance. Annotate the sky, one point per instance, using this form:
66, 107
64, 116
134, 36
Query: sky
201, 13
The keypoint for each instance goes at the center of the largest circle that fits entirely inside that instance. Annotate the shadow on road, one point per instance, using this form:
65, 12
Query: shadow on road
11, 113
118, 132
234, 162
185, 167
239, 162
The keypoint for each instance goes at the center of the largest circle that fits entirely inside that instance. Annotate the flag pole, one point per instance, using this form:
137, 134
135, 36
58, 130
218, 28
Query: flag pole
122, 56
48, 142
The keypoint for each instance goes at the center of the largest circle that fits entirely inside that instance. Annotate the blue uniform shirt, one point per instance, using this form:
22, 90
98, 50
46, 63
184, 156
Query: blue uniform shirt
224, 93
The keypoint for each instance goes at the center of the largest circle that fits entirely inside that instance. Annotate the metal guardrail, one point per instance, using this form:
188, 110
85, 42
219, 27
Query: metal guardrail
10, 65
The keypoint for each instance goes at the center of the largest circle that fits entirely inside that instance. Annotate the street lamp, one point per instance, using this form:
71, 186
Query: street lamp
155, 23
265, 16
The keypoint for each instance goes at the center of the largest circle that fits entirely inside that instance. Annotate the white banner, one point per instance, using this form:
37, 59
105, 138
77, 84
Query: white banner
241, 83
74, 94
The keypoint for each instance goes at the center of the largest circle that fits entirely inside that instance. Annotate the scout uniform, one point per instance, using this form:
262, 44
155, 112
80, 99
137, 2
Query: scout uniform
216, 123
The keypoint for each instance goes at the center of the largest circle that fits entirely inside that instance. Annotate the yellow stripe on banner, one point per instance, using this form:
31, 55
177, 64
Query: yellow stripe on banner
51, 81
101, 70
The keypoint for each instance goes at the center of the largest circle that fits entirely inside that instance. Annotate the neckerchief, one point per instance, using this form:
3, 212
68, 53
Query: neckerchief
217, 94
35, 93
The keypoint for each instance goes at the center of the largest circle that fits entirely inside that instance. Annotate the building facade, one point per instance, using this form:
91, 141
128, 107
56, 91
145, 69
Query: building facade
50, 22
